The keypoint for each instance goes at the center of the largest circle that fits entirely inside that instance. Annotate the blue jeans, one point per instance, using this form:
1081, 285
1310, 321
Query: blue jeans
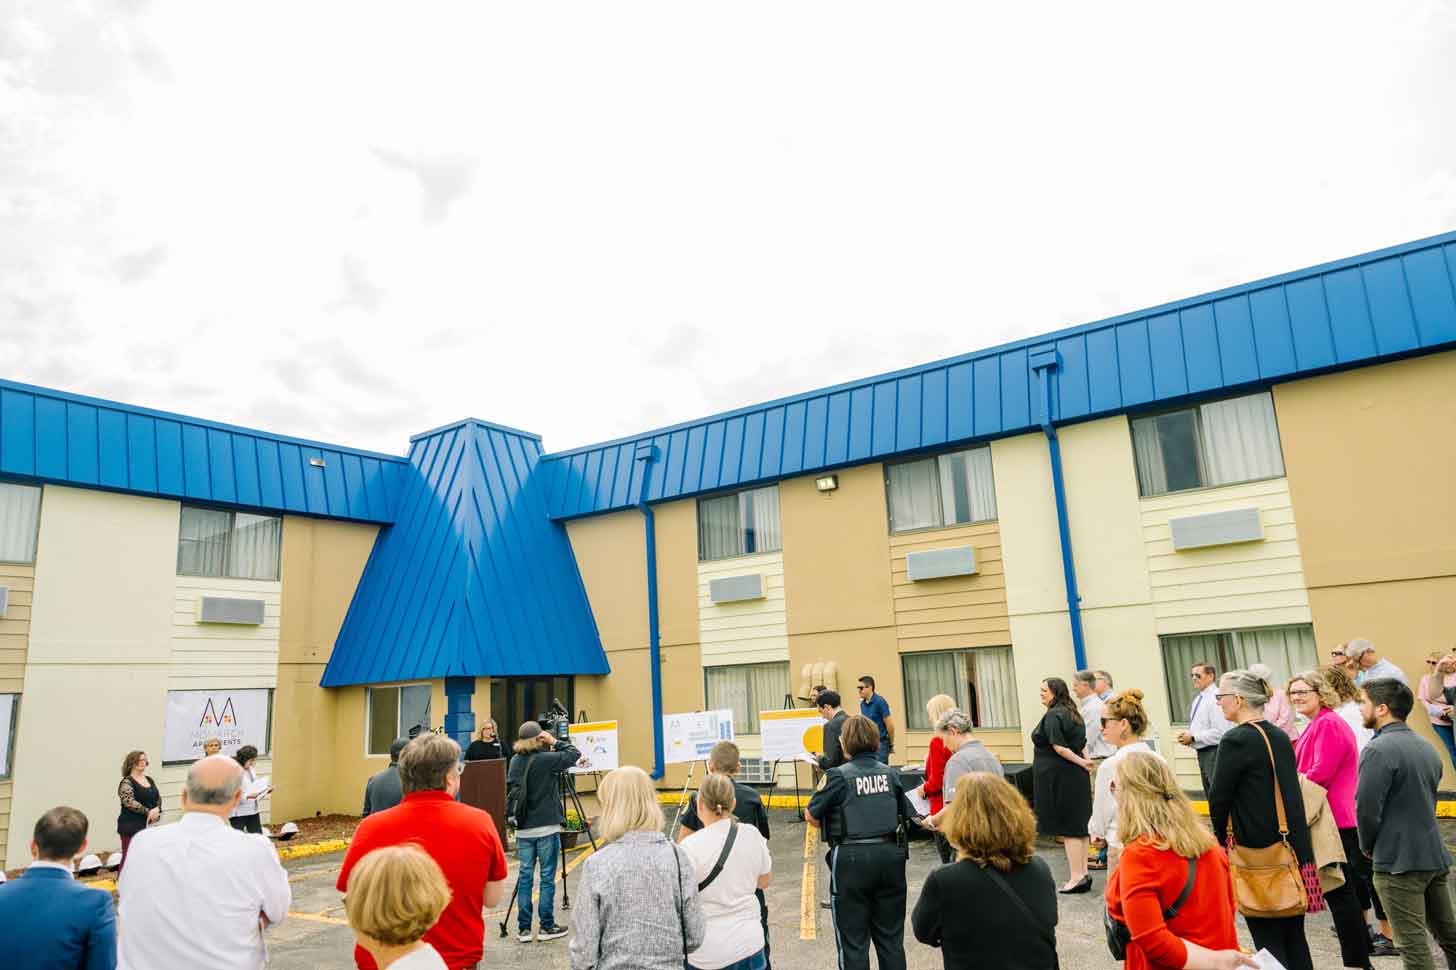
545, 850
756, 962
1444, 732
883, 755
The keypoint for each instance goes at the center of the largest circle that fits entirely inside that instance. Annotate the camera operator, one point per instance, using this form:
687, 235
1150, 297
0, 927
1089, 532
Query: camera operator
533, 799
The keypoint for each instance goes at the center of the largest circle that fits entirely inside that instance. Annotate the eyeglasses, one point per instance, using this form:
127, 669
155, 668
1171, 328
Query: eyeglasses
863, 687
1338, 653
1433, 662
1296, 693
1219, 697
1195, 675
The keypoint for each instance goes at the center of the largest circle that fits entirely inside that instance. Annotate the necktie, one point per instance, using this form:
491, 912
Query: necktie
1196, 701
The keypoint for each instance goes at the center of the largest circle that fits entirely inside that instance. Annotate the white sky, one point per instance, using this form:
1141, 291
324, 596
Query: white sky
358, 221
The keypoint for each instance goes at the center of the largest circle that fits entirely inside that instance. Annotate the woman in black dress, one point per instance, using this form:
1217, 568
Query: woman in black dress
486, 746
141, 802
1060, 781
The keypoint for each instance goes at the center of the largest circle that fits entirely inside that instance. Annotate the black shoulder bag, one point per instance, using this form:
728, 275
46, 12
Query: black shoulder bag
1119, 936
516, 803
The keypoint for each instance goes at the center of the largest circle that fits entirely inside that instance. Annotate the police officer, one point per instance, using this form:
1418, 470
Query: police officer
860, 807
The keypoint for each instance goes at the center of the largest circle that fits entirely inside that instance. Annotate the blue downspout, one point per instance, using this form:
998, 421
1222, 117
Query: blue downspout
1044, 362
647, 454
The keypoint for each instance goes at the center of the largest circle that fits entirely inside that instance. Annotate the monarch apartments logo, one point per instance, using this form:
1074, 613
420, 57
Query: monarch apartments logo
222, 725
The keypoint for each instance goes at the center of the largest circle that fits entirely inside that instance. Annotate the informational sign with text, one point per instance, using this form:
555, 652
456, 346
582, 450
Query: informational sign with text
235, 717
597, 742
789, 734
689, 737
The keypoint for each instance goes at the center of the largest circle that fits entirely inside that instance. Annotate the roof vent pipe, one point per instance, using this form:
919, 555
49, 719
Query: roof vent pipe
646, 453
1044, 361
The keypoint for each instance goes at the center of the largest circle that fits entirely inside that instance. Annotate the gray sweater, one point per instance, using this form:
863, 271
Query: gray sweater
972, 756
383, 790
1395, 803
628, 915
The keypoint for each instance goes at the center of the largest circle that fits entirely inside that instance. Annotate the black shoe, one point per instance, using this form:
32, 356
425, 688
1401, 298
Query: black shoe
1084, 886
1381, 946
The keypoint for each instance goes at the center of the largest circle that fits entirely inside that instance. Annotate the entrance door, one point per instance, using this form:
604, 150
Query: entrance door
514, 700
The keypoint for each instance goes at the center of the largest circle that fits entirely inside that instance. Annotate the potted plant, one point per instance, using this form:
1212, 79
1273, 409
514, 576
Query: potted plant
572, 828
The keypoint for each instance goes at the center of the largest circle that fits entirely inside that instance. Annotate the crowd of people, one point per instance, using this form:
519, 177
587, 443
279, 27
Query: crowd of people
1319, 797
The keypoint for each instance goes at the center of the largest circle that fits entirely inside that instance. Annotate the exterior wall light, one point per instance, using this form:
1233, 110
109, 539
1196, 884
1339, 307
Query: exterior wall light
316, 462
827, 483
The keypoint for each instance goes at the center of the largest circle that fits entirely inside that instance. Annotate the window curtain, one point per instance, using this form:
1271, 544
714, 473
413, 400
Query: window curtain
1180, 653
1287, 650
982, 484
718, 530
928, 674
913, 495
19, 520
202, 549
993, 673
1148, 453
1242, 440
761, 509
254, 550
746, 689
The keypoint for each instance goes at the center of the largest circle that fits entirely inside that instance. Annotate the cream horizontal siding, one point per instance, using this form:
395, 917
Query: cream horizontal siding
955, 611
4, 808
752, 631
223, 655
15, 626
1244, 584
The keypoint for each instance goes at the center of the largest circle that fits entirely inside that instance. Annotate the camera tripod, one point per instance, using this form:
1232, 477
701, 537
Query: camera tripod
566, 785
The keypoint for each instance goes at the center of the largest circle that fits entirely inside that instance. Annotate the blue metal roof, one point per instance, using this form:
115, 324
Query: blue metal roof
473, 579
1385, 304
68, 439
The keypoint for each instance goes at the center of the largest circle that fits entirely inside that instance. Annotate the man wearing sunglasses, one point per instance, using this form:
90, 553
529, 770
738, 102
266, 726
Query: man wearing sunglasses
1206, 723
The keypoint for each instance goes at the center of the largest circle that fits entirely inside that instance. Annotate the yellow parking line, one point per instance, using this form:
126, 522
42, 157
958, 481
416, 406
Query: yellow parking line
808, 897
319, 918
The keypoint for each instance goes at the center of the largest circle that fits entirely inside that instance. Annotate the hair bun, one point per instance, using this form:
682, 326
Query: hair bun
1134, 693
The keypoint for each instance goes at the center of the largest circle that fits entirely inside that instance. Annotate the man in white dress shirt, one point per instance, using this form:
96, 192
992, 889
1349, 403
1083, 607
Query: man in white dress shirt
1206, 723
199, 893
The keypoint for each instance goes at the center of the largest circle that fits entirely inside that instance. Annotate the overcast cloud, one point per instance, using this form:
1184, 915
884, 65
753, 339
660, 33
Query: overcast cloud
357, 221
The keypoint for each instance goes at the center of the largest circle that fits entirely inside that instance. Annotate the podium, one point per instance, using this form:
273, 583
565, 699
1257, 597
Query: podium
483, 785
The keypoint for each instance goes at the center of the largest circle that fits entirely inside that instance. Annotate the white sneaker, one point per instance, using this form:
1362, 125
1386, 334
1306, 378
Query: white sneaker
554, 933
525, 936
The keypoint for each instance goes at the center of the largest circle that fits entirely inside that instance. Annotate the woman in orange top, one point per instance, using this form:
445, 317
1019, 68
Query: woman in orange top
937, 707
1160, 834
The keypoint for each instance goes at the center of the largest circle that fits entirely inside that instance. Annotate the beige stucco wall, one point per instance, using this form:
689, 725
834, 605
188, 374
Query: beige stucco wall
1373, 477
101, 628
314, 768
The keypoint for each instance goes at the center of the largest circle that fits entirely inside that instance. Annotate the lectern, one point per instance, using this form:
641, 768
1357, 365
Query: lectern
483, 785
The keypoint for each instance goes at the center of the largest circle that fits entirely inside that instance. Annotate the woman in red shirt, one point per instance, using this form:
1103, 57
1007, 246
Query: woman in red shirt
1160, 834
937, 707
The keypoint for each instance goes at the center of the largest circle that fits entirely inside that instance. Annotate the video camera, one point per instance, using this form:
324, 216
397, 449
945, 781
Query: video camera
556, 720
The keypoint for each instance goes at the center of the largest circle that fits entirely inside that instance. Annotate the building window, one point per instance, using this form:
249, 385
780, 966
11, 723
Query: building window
1286, 649
19, 521
945, 490
236, 545
397, 712
746, 689
9, 705
982, 681
1212, 444
739, 524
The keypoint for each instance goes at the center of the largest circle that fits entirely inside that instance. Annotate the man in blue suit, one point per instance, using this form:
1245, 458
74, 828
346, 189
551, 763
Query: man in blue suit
47, 918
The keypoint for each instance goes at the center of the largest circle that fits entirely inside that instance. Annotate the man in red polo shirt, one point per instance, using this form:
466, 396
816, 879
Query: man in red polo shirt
463, 840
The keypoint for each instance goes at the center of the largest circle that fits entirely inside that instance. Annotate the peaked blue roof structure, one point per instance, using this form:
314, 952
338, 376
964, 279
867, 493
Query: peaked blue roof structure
473, 579
1377, 306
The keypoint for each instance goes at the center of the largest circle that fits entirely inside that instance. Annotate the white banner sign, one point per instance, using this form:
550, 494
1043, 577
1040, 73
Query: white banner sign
7, 716
597, 742
789, 734
235, 717
689, 737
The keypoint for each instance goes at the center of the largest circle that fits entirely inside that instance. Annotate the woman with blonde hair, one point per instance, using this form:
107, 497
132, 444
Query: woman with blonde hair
638, 907
1124, 722
997, 876
395, 895
1167, 850
731, 864
933, 788
1349, 696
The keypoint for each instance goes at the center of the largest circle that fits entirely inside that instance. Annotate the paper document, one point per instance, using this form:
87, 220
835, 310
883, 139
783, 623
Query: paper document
918, 801
1267, 961
258, 788
808, 758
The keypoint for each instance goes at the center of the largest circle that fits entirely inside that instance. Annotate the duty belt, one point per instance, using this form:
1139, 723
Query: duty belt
872, 840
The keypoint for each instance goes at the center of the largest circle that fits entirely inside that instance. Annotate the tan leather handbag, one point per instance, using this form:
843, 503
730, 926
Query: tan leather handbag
1267, 881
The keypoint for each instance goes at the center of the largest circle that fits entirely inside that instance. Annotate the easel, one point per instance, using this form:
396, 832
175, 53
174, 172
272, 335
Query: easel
682, 802
798, 809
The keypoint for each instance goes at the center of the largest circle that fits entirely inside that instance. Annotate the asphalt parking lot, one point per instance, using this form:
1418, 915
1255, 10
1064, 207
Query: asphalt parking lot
317, 936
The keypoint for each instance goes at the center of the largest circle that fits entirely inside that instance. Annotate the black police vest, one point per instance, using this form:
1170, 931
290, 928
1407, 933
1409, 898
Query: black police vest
871, 807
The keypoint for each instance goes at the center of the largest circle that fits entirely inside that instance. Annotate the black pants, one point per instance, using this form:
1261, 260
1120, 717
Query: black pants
867, 902
942, 846
1365, 889
1284, 938
248, 823
1206, 758
1345, 909
763, 915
